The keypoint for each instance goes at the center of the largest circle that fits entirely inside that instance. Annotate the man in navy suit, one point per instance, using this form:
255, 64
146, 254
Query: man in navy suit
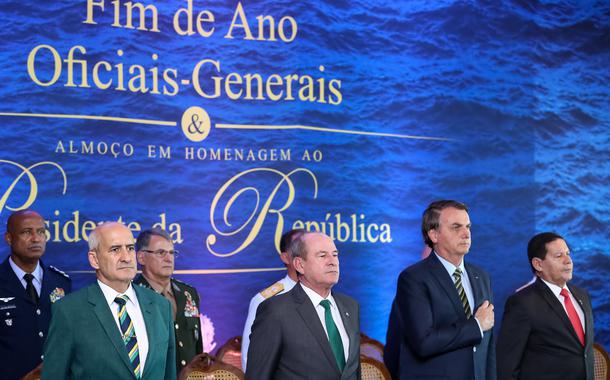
27, 290
547, 328
445, 305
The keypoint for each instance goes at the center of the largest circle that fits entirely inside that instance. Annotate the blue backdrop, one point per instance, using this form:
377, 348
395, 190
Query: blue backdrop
347, 116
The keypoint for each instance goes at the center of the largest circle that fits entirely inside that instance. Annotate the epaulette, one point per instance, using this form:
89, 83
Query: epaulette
272, 290
59, 271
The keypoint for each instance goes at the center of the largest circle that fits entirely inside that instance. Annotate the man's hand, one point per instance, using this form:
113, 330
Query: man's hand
485, 316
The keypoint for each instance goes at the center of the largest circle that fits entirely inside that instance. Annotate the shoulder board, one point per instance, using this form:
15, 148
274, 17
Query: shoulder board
272, 290
59, 271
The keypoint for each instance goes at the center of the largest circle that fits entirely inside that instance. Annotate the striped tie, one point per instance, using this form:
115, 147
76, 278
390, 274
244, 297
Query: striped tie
457, 275
129, 334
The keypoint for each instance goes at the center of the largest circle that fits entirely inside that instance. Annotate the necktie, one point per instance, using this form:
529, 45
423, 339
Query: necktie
129, 334
573, 315
29, 287
457, 275
333, 335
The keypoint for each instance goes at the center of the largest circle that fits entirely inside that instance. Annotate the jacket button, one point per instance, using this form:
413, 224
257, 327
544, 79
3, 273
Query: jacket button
180, 344
38, 311
183, 362
176, 325
40, 334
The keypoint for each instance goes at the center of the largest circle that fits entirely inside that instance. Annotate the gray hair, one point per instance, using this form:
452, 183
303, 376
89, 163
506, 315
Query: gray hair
94, 238
297, 247
143, 239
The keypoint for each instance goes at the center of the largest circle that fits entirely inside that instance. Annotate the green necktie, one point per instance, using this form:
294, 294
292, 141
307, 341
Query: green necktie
333, 335
460, 289
129, 334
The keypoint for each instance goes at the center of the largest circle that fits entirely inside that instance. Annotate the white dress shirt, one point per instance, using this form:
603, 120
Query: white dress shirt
465, 284
37, 273
334, 310
556, 291
133, 309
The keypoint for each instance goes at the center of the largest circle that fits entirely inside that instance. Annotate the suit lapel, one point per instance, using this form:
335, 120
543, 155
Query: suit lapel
439, 272
579, 296
310, 317
557, 307
106, 319
180, 299
475, 284
13, 283
147, 308
352, 330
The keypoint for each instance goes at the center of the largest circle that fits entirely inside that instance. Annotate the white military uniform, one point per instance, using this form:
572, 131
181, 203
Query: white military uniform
282, 286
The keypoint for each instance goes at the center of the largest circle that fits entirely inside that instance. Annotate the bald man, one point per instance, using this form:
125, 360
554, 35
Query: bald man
27, 290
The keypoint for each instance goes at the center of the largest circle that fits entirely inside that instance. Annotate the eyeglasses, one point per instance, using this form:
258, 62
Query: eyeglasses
161, 253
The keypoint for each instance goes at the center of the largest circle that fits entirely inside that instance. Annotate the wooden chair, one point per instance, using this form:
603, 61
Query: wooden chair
371, 348
34, 374
602, 363
206, 367
230, 352
372, 369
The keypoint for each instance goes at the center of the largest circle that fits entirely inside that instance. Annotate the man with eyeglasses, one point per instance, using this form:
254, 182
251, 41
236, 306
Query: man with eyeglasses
27, 290
156, 255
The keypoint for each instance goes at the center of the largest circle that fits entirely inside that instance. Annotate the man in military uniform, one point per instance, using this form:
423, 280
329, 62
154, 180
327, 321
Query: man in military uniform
156, 255
27, 290
282, 286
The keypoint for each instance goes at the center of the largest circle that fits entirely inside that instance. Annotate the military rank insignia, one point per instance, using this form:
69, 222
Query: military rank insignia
57, 294
190, 309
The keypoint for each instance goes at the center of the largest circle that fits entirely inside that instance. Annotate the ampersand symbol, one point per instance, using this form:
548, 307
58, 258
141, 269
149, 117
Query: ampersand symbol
195, 124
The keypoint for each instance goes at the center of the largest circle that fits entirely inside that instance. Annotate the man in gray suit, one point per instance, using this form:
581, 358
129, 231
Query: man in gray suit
311, 331
111, 329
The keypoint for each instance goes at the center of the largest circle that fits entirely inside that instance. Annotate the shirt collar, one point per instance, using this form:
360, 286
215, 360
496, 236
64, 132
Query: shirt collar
289, 281
110, 294
158, 287
449, 267
316, 298
37, 273
555, 288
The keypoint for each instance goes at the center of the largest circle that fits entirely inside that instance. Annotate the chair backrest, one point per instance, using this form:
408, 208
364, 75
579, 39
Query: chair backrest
602, 363
230, 352
371, 348
206, 367
33, 374
372, 369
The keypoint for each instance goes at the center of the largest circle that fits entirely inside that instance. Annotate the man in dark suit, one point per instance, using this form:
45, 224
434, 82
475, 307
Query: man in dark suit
547, 328
156, 254
27, 290
444, 304
308, 332
111, 329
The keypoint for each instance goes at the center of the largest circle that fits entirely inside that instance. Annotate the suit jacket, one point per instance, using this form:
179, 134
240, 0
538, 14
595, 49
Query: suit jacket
189, 341
537, 340
84, 340
24, 324
437, 340
391, 349
288, 340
